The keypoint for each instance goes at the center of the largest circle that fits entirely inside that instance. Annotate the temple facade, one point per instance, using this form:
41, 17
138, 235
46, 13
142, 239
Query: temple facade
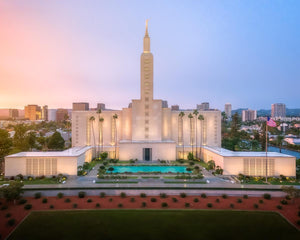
147, 129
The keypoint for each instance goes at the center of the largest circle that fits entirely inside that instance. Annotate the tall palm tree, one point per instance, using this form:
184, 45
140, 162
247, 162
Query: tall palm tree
181, 115
190, 116
92, 119
98, 113
196, 119
101, 120
115, 117
201, 118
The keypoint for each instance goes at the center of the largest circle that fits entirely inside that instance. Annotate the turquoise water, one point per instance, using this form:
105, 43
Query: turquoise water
162, 169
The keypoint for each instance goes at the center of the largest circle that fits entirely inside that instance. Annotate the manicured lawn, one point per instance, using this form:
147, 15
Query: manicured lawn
182, 182
154, 224
35, 181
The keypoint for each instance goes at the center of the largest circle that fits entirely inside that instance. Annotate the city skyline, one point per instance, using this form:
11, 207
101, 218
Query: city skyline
217, 52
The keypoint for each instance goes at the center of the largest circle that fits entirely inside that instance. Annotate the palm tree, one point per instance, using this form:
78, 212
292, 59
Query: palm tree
115, 117
196, 114
279, 141
181, 115
92, 119
190, 116
201, 118
98, 113
101, 120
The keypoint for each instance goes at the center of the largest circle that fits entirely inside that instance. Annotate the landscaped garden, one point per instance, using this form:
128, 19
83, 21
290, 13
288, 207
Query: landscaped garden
230, 224
154, 224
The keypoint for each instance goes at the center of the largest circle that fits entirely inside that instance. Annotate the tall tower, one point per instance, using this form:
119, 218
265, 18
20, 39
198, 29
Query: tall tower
146, 69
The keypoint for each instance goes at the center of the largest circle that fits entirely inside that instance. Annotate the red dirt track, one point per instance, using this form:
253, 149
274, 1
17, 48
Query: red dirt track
18, 212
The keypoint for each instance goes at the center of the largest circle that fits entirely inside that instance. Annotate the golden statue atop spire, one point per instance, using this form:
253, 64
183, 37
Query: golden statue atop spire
146, 34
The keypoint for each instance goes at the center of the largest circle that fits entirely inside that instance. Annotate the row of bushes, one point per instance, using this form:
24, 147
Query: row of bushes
20, 177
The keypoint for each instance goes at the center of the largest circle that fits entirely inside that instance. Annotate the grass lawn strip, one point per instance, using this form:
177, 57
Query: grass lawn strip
154, 224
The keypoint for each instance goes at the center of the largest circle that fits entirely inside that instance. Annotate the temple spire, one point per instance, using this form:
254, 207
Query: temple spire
146, 40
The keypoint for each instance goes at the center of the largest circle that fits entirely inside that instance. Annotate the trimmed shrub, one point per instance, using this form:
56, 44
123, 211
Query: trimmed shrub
231, 205
123, 195
163, 195
261, 201
224, 196
284, 202
287, 197
97, 205
203, 195
164, 204
267, 196
209, 205
183, 195
239, 200
174, 199
37, 195
60, 195
217, 200
7, 215
144, 204
245, 196
120, 205
45, 200
279, 207
102, 194
132, 199
51, 206
11, 222
89, 200
4, 207
67, 200
153, 199
74, 205
255, 205
27, 206
187, 204
143, 195
22, 201
196, 200
81, 194
110, 200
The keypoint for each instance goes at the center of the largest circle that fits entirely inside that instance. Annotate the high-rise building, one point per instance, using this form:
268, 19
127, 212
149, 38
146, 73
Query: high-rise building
61, 114
175, 107
33, 112
45, 113
228, 109
249, 115
81, 106
100, 106
13, 113
278, 110
203, 106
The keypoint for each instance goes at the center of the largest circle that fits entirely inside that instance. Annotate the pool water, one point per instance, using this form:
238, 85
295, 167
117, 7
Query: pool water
162, 169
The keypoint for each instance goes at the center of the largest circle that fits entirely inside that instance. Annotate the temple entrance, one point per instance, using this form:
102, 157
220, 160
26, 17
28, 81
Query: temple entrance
147, 154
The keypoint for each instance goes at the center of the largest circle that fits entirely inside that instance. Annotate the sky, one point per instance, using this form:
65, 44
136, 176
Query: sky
58, 52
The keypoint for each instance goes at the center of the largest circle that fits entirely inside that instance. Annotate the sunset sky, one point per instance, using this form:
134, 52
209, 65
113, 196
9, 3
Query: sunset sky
58, 52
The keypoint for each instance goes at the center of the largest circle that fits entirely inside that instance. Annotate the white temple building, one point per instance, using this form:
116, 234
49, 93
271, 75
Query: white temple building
149, 130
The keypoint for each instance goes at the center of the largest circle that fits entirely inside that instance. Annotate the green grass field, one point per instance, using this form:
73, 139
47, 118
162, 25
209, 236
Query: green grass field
154, 224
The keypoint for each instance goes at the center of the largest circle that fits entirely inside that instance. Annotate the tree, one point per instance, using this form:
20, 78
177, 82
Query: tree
5, 145
263, 136
92, 119
56, 142
201, 118
31, 139
20, 141
67, 126
190, 116
12, 192
103, 155
101, 120
115, 117
110, 169
234, 125
211, 164
279, 141
196, 119
99, 124
180, 116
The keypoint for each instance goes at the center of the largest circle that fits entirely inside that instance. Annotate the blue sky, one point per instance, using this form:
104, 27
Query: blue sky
58, 52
